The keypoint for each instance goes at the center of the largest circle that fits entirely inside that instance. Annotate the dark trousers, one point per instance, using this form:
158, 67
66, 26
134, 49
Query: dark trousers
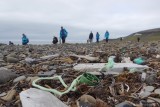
107, 40
24, 43
63, 39
97, 40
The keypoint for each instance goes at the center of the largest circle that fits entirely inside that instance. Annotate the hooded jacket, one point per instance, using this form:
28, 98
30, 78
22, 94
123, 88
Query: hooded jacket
107, 35
63, 33
97, 36
25, 40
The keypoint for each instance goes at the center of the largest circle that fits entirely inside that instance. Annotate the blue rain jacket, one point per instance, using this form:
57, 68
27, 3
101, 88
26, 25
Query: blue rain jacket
97, 36
107, 35
25, 40
63, 33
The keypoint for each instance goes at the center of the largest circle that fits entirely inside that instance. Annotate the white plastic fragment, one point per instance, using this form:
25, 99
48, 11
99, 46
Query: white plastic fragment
117, 68
38, 98
143, 76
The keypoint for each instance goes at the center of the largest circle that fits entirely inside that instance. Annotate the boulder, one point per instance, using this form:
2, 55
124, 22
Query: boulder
6, 75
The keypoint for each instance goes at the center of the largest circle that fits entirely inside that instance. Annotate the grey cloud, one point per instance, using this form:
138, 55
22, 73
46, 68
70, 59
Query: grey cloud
43, 18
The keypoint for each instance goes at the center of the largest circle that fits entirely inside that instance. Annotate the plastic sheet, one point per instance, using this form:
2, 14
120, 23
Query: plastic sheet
38, 98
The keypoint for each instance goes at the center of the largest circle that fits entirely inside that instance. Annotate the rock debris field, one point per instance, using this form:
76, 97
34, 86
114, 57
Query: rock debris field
114, 74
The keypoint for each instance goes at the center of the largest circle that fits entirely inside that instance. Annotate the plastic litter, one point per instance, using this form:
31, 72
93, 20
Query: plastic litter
139, 61
56, 92
110, 63
85, 78
89, 79
38, 98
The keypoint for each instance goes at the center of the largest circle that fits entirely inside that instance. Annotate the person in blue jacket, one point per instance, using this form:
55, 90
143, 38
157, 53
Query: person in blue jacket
63, 34
97, 37
107, 36
25, 40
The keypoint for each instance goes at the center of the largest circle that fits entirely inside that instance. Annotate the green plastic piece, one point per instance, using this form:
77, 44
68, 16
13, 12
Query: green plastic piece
139, 60
89, 79
110, 63
72, 87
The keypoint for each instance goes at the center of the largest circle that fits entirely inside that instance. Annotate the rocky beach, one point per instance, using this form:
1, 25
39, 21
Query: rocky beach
22, 66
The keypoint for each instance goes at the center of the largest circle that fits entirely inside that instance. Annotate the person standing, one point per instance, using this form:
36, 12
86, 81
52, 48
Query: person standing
138, 39
107, 36
91, 37
97, 37
63, 34
25, 40
55, 40
11, 43
121, 39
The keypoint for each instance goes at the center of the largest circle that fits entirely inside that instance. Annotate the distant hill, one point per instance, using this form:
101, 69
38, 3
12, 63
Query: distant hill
146, 35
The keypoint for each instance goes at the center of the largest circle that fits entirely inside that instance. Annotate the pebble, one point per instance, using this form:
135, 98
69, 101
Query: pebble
149, 88
3, 94
52, 68
144, 94
158, 56
22, 55
12, 55
12, 60
124, 104
1, 60
46, 74
1, 56
157, 91
9, 66
21, 78
31, 79
10, 95
88, 98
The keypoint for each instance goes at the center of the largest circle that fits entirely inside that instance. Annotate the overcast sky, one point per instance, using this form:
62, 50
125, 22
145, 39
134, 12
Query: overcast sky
41, 19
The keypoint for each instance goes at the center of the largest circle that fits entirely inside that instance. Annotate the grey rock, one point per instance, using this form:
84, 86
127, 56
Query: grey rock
45, 67
21, 78
9, 66
12, 55
144, 94
22, 55
124, 104
157, 91
46, 74
150, 79
3, 94
84, 104
1, 56
52, 68
1, 60
149, 88
12, 60
6, 75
